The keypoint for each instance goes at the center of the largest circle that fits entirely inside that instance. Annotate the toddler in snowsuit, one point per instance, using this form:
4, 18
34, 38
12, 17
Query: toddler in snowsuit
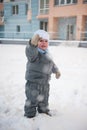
38, 72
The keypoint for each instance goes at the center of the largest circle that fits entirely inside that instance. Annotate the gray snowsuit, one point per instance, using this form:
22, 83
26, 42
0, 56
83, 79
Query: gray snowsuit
38, 72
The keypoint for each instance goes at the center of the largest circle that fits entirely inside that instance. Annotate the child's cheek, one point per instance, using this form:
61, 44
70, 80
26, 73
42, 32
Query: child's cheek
39, 45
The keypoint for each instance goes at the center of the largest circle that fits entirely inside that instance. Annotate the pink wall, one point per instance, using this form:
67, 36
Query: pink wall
78, 10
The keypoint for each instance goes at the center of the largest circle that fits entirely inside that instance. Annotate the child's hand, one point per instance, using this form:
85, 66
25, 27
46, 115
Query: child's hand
35, 39
57, 75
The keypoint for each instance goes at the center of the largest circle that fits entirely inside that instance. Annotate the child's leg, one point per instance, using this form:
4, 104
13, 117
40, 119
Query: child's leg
43, 105
31, 92
30, 111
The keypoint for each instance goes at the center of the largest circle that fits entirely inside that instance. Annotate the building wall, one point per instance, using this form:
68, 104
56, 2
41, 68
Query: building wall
58, 18
35, 22
11, 21
26, 27
76, 10
68, 10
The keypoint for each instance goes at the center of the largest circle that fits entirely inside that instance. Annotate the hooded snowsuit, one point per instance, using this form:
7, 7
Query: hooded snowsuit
38, 72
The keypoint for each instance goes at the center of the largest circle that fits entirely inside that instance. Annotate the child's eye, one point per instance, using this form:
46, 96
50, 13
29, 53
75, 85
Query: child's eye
43, 41
46, 41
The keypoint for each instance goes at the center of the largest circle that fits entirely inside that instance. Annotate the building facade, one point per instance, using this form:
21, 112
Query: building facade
17, 22
1, 18
63, 19
67, 19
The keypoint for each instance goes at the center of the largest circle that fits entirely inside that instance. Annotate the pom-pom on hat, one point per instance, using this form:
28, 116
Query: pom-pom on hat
43, 34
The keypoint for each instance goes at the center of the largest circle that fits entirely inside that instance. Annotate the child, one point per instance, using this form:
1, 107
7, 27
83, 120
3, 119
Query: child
38, 72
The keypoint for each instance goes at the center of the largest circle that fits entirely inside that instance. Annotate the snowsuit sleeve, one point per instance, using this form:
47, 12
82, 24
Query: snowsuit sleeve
55, 68
31, 52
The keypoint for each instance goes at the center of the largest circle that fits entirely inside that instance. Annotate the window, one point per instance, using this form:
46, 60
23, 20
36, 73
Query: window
72, 29
44, 6
1, 1
18, 28
15, 9
26, 8
43, 25
68, 1
84, 1
64, 2
56, 2
74, 1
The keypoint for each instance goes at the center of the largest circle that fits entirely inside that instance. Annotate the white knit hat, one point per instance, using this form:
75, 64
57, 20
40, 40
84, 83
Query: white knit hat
43, 34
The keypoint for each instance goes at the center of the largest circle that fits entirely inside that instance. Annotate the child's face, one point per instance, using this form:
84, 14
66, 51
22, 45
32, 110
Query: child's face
43, 44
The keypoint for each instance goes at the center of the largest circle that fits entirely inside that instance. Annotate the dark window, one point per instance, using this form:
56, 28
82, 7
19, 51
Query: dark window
26, 8
84, 1
15, 9
1, 1
43, 25
72, 29
74, 1
1, 13
56, 2
18, 28
68, 1
62, 2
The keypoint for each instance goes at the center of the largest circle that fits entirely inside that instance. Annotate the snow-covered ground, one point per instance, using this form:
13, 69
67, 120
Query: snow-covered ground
68, 95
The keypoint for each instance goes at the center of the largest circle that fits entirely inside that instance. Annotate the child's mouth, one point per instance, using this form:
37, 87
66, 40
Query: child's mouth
43, 46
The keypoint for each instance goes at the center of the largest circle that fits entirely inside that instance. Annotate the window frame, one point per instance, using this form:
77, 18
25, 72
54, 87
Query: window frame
45, 8
44, 25
64, 2
15, 9
18, 28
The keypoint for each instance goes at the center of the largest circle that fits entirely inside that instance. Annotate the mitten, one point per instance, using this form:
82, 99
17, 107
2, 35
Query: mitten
35, 39
57, 75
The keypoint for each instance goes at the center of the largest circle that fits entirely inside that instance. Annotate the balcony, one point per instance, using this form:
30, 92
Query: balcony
43, 12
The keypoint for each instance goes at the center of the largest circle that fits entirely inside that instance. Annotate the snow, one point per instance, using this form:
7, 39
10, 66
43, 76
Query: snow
68, 95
